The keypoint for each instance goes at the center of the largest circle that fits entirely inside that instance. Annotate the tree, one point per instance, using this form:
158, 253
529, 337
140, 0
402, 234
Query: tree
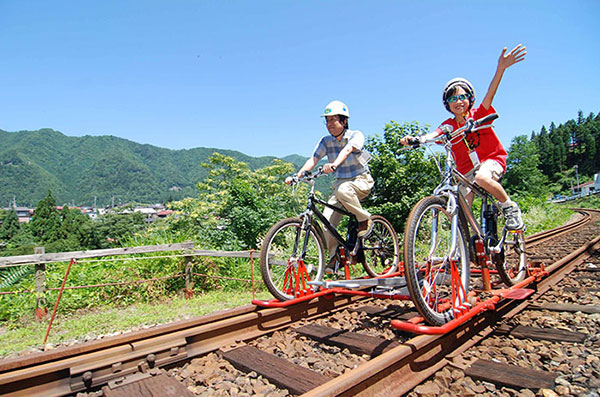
587, 148
560, 144
45, 223
112, 229
10, 225
235, 205
401, 177
522, 174
76, 231
546, 154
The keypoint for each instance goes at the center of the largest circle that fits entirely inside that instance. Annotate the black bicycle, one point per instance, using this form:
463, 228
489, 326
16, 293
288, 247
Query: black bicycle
294, 250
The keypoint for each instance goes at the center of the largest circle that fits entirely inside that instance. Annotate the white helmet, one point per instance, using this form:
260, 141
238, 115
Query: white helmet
336, 107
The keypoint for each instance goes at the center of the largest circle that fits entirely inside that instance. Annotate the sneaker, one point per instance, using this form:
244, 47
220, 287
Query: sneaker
512, 214
365, 227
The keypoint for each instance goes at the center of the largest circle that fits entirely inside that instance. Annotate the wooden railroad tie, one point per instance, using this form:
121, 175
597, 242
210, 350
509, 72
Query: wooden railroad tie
547, 334
591, 276
583, 290
354, 342
562, 307
152, 386
510, 375
280, 372
543, 334
390, 312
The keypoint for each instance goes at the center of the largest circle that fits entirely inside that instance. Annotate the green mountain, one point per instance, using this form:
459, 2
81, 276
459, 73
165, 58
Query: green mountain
81, 169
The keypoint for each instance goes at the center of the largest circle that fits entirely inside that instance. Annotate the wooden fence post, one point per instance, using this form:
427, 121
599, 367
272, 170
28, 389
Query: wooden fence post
40, 286
188, 268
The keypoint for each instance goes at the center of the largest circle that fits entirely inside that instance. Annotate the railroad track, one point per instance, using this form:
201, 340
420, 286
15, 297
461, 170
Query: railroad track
330, 346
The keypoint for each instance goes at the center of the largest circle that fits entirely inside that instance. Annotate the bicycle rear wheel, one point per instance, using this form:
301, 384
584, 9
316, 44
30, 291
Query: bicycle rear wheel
429, 260
380, 248
511, 262
280, 257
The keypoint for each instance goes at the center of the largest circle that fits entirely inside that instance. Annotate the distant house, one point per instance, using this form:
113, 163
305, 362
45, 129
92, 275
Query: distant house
24, 214
585, 189
164, 213
149, 213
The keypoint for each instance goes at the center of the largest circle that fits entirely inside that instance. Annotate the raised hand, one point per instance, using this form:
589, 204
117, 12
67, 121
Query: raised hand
515, 55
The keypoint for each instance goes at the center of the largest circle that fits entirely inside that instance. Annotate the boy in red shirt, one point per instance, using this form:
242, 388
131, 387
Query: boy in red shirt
480, 156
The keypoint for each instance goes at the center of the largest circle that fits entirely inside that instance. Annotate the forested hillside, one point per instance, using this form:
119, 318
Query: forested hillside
79, 169
552, 160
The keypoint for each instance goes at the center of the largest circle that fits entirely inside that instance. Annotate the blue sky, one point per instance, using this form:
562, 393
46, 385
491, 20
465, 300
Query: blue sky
254, 76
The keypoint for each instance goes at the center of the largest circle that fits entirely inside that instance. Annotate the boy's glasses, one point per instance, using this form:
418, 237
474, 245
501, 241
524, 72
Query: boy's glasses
460, 97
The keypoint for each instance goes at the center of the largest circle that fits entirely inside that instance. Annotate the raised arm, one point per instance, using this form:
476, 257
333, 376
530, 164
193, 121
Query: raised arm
517, 54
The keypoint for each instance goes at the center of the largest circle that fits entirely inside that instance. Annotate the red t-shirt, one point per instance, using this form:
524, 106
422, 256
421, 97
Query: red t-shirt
484, 141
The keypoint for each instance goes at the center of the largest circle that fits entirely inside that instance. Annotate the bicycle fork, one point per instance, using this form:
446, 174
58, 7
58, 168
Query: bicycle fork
449, 267
459, 294
297, 276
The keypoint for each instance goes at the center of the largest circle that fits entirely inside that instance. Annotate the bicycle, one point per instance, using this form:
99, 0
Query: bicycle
294, 250
438, 246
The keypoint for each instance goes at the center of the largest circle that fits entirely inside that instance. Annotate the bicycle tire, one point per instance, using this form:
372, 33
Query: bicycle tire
426, 262
380, 248
511, 262
278, 257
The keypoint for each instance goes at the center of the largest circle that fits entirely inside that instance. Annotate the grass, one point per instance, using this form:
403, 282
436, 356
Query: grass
85, 325
545, 216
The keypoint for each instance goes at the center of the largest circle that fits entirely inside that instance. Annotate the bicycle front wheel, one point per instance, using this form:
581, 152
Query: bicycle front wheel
380, 248
511, 262
281, 258
430, 256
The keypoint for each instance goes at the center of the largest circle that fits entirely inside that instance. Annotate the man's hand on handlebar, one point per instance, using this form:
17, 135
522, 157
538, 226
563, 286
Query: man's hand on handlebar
294, 178
329, 168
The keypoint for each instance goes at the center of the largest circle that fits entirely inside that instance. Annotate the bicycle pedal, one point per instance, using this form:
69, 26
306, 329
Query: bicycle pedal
356, 248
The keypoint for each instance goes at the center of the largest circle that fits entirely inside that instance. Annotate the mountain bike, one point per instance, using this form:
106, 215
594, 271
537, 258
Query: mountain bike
294, 250
438, 247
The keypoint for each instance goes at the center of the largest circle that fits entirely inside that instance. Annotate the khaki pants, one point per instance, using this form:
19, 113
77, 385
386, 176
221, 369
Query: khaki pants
347, 193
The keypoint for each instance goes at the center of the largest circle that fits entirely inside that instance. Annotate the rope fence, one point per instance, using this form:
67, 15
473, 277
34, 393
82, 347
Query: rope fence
40, 259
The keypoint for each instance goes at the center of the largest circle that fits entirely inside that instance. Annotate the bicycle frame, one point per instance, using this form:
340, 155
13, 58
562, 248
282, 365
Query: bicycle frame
311, 209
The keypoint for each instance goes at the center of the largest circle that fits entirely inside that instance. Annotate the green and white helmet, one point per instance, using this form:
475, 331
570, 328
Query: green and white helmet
336, 107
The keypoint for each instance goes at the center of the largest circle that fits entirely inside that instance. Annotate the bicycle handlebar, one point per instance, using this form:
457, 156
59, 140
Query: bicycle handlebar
413, 143
449, 135
472, 125
308, 176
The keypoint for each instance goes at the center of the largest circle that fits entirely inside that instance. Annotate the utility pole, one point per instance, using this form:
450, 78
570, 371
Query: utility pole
577, 176
572, 190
